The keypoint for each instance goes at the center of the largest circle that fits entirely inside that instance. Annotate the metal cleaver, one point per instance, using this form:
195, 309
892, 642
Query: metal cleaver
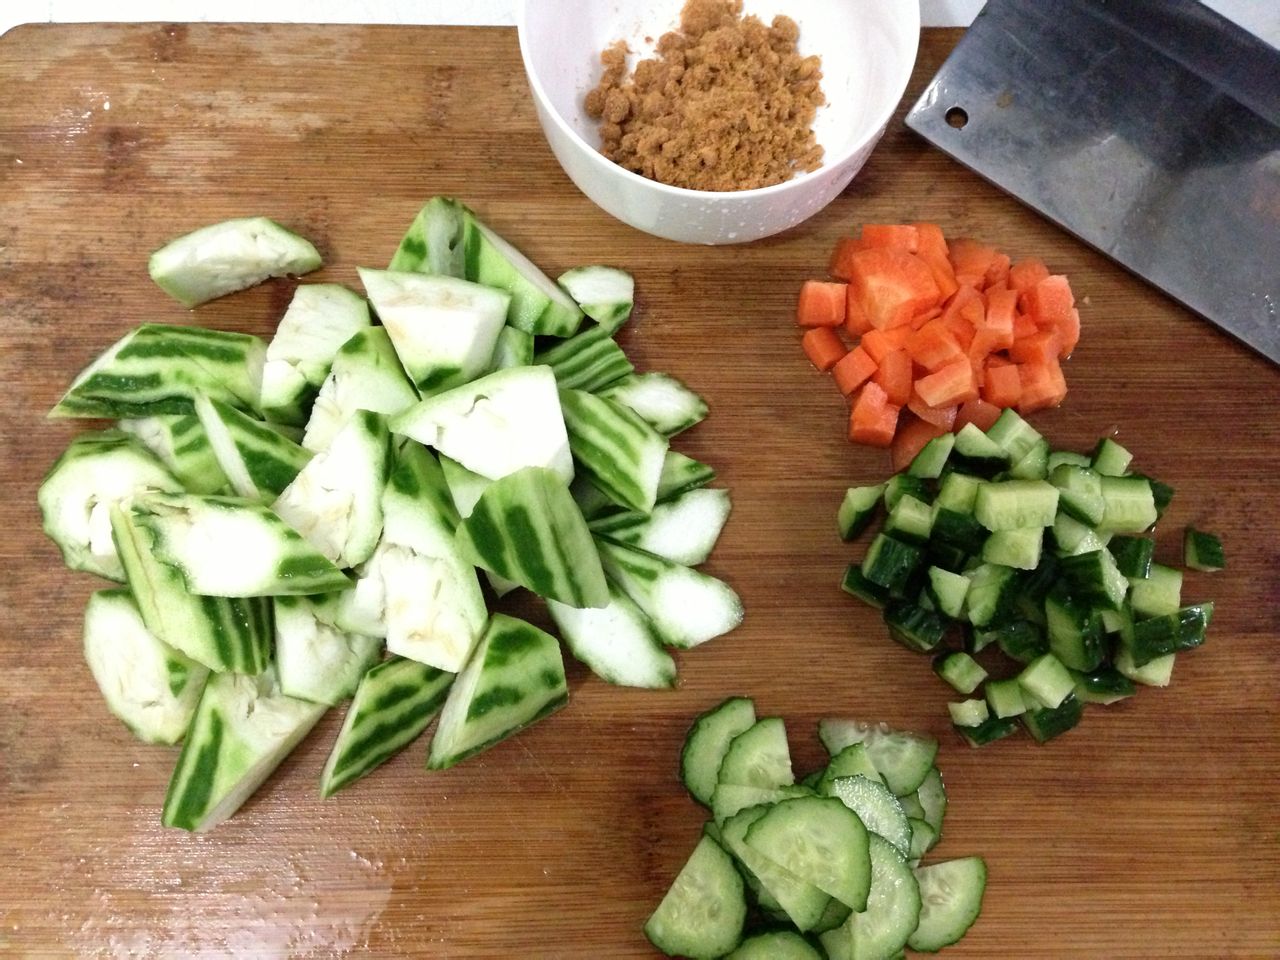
1148, 128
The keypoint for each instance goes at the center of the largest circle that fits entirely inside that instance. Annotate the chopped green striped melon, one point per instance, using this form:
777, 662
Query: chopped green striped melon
180, 442
258, 461
365, 375
619, 453
315, 661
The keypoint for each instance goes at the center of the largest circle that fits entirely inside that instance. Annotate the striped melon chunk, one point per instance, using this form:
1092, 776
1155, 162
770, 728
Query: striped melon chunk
465, 488
242, 729
150, 686
682, 530
180, 442
315, 661
514, 678
618, 452
617, 642
225, 257
513, 349
527, 528
220, 632
232, 547
434, 241
588, 360
495, 425
157, 368
394, 703
365, 375
257, 461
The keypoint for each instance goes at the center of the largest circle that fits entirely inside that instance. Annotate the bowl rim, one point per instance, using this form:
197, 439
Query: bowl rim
826, 169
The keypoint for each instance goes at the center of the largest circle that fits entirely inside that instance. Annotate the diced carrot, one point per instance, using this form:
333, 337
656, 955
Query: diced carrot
1043, 385
823, 347
1025, 274
855, 321
1049, 302
1041, 347
996, 330
1001, 384
821, 304
930, 237
943, 417
998, 272
934, 346
1069, 333
998, 360
894, 376
964, 295
891, 286
964, 323
954, 383
880, 342
873, 420
931, 314
853, 370
913, 434
899, 236
970, 259
978, 412
933, 251
1023, 326
839, 264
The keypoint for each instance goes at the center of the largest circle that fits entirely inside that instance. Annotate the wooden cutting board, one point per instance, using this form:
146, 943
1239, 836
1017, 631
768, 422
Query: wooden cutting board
1151, 831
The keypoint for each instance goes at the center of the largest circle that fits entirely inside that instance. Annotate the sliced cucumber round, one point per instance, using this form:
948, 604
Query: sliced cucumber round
950, 901
702, 915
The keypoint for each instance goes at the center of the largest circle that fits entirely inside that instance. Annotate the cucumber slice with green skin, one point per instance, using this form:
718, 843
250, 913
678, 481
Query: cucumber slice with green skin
903, 759
948, 591
514, 678
393, 704
758, 757
232, 547
775, 945
893, 907
877, 808
605, 294
923, 838
687, 607
258, 461
932, 796
1073, 537
496, 425
617, 451
225, 257
950, 901
220, 633
179, 441
617, 642
683, 530
819, 840
589, 360
730, 799
707, 742
365, 375
1032, 465
242, 729
852, 761
526, 528
661, 400
514, 348
799, 900
702, 915
434, 241
444, 329
320, 318
147, 684
157, 368
97, 471
538, 306
335, 501
314, 661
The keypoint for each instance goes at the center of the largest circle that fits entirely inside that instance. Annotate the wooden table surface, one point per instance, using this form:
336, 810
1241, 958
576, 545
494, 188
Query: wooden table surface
1151, 831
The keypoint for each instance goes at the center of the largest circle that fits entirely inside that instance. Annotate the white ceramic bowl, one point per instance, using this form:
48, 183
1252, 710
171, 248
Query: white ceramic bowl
867, 47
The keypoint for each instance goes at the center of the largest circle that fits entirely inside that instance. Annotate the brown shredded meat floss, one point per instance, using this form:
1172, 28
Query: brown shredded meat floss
727, 104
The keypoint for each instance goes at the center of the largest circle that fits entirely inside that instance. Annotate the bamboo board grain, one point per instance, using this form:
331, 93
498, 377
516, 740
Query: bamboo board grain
1150, 832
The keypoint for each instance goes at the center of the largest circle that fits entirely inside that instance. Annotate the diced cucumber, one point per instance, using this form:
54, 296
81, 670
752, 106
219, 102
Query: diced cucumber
661, 400
1110, 459
989, 731
526, 528
514, 348
1074, 630
158, 368
1094, 579
257, 461
589, 360
1202, 551
434, 242
992, 591
950, 901
932, 458
225, 257
1046, 681
893, 906
904, 484
957, 531
538, 306
313, 660
1105, 685
1072, 537
1032, 465
393, 704
877, 808
97, 471
616, 641
365, 375
968, 713
151, 687
1159, 593
775, 945
1155, 673
707, 742
857, 585
1133, 555
858, 509
702, 915
495, 425
605, 294
948, 591
758, 757
335, 501
320, 318
976, 453
1013, 434
914, 626
1005, 698
803, 903
243, 727
891, 562
1079, 492
514, 678
819, 840
1018, 548
1048, 722
1156, 637
682, 530
617, 451
960, 670
232, 547
687, 607
1059, 457
1129, 505
1013, 504
958, 492
910, 520
903, 759
179, 441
